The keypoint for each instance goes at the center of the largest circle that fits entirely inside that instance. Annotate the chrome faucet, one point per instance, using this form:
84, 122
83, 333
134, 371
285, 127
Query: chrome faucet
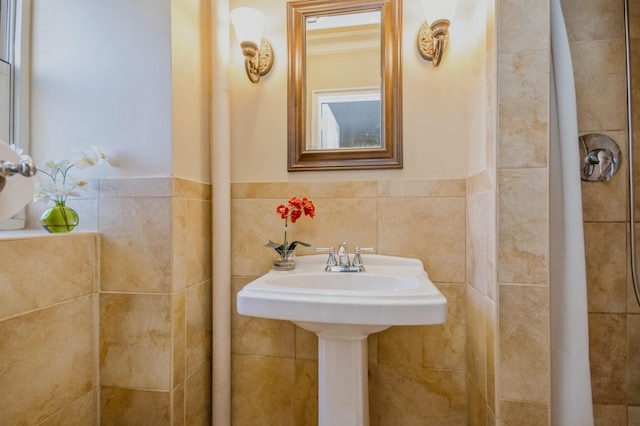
343, 263
343, 256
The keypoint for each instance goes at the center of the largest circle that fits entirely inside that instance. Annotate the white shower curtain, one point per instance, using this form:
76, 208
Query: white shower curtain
570, 374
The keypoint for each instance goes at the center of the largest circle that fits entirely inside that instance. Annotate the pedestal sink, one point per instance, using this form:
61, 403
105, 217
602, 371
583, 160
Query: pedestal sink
343, 308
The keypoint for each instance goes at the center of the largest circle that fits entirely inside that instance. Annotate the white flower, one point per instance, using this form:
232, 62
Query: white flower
59, 184
90, 158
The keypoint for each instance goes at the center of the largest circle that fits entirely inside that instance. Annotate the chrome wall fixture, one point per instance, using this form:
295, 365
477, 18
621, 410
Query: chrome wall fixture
248, 24
600, 157
433, 39
25, 167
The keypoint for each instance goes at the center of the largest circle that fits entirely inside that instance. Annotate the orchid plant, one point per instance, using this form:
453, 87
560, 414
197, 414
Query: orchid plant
60, 184
294, 210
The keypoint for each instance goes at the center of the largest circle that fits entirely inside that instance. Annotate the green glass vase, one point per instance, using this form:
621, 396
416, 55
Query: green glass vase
59, 218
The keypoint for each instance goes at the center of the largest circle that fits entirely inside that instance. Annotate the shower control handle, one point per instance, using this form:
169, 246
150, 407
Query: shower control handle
600, 157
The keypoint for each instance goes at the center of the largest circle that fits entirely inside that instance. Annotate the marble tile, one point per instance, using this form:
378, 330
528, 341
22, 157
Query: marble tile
135, 341
480, 182
179, 244
253, 223
601, 109
633, 306
259, 336
40, 268
263, 391
522, 226
597, 57
306, 344
476, 405
306, 392
81, 412
431, 229
313, 190
47, 361
87, 211
120, 406
198, 319
198, 396
136, 187
339, 219
178, 337
417, 396
633, 416
198, 241
491, 310
580, 22
184, 188
435, 346
491, 418
608, 357
373, 354
480, 253
476, 341
374, 394
523, 413
523, 109
422, 188
135, 253
610, 415
633, 360
178, 413
606, 247
634, 19
524, 343
524, 25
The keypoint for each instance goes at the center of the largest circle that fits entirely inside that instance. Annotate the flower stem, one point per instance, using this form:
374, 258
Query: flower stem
286, 245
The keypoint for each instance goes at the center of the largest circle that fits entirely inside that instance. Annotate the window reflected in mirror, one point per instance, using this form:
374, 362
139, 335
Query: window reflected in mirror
345, 119
343, 80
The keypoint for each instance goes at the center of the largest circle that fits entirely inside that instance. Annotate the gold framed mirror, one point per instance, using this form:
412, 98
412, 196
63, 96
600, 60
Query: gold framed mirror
344, 84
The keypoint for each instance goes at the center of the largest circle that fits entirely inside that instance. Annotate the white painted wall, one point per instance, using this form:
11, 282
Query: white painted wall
129, 75
437, 105
191, 81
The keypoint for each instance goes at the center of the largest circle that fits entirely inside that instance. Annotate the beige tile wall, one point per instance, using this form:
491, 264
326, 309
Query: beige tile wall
416, 374
481, 299
155, 301
522, 202
614, 317
48, 329
151, 309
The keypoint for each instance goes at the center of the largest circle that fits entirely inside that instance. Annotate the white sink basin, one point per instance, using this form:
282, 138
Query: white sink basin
391, 291
343, 308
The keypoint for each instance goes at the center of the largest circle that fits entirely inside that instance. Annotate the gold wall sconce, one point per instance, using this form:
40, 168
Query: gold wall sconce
248, 24
433, 39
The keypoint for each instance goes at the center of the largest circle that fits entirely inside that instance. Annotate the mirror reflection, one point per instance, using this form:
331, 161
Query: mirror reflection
344, 84
343, 79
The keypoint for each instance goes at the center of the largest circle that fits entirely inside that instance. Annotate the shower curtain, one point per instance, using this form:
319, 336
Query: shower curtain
571, 402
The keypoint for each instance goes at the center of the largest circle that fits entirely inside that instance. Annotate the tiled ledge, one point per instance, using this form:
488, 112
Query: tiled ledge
35, 233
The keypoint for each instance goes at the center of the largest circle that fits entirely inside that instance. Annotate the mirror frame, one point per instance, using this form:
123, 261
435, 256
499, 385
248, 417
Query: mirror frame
389, 156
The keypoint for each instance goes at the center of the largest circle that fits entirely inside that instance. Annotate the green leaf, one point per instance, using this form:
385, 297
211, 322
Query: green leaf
281, 249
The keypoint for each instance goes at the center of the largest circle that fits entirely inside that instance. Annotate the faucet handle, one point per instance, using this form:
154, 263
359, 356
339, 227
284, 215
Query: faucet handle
331, 261
343, 255
357, 258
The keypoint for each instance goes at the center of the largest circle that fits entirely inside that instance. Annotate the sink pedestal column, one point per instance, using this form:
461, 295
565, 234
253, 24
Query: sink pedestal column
343, 392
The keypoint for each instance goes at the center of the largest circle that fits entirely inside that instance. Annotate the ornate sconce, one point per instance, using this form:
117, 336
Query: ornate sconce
248, 24
433, 39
